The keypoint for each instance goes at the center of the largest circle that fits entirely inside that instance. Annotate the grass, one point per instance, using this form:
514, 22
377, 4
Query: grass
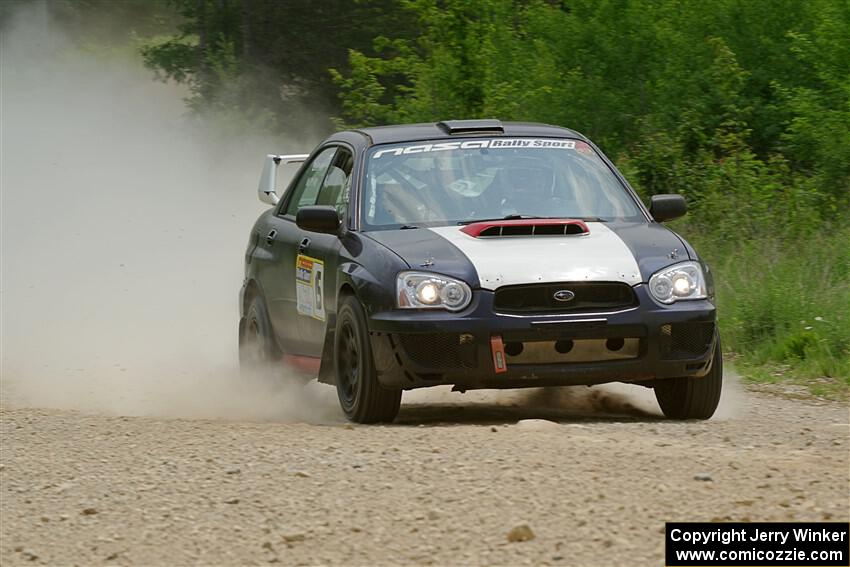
784, 306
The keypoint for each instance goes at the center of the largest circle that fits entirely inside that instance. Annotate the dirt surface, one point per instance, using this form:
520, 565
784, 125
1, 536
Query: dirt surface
594, 482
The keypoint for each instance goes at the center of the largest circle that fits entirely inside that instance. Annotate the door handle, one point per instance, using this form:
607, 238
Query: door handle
305, 243
270, 237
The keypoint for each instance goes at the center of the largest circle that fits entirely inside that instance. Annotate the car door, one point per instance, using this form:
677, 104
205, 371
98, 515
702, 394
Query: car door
279, 278
323, 253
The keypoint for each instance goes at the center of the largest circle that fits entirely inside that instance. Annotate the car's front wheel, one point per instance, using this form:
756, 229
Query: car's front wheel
690, 397
362, 398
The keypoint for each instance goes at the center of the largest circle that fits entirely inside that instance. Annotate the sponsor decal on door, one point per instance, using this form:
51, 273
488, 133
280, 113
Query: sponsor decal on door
309, 287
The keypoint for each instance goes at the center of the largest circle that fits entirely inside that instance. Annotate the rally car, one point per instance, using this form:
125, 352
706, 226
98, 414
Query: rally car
478, 254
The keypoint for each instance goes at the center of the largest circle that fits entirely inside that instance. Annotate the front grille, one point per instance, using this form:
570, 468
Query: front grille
540, 298
686, 340
440, 350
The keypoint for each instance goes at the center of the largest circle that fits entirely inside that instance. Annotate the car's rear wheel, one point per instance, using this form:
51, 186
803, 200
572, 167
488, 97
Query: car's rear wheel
259, 356
689, 397
362, 398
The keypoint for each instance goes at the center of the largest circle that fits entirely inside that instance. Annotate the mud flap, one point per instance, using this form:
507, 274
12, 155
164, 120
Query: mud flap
327, 372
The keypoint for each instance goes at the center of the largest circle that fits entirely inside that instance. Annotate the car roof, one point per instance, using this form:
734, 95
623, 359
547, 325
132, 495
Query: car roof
456, 128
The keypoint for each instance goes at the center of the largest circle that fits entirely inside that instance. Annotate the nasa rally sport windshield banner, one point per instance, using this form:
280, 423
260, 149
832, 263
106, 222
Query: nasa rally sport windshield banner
761, 544
492, 143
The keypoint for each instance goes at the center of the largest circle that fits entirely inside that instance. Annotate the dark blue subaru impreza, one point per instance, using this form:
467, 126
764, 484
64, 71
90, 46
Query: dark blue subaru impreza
478, 254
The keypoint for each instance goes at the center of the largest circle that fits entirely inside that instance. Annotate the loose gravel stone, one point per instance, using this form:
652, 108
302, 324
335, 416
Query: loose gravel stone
520, 533
538, 424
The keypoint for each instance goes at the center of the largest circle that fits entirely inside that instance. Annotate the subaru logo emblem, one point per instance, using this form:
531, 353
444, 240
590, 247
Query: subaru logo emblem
564, 295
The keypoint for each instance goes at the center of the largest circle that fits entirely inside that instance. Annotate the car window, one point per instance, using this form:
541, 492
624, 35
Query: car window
307, 189
447, 182
337, 185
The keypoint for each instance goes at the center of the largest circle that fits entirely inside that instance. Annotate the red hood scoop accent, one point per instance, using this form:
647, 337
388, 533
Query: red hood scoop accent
526, 227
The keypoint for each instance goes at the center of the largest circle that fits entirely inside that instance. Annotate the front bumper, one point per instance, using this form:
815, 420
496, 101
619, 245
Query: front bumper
425, 348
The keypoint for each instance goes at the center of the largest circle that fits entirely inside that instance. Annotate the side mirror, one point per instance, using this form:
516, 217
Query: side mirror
667, 207
318, 218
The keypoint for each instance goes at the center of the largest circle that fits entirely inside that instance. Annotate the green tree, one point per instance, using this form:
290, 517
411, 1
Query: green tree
267, 58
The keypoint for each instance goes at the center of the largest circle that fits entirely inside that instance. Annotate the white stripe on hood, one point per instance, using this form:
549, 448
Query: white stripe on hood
511, 260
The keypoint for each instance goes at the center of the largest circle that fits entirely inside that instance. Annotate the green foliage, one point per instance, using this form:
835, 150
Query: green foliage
818, 134
263, 58
680, 87
786, 302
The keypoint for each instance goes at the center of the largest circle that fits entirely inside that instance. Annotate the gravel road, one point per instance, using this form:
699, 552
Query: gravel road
594, 476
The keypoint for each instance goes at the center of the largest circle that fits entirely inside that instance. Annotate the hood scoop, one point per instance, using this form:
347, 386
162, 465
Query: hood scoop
526, 227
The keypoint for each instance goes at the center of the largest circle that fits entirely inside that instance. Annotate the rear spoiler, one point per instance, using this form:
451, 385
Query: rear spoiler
266, 191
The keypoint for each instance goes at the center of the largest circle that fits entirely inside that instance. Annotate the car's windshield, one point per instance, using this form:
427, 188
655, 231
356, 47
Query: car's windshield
447, 182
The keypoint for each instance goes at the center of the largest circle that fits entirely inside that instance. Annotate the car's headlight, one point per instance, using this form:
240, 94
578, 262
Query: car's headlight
678, 282
422, 290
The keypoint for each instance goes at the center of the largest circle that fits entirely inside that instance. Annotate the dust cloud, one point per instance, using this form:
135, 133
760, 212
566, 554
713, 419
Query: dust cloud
606, 402
124, 224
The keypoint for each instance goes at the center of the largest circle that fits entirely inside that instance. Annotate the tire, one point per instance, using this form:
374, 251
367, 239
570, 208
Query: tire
362, 398
689, 397
259, 356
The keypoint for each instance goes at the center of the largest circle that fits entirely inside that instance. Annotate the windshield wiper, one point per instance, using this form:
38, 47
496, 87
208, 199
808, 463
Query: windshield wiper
517, 217
506, 217
407, 227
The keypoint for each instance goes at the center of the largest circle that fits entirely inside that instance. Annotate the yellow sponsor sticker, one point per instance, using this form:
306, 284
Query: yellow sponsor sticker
309, 287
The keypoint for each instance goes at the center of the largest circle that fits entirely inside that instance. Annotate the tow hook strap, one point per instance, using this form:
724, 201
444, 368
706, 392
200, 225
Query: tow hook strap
497, 347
